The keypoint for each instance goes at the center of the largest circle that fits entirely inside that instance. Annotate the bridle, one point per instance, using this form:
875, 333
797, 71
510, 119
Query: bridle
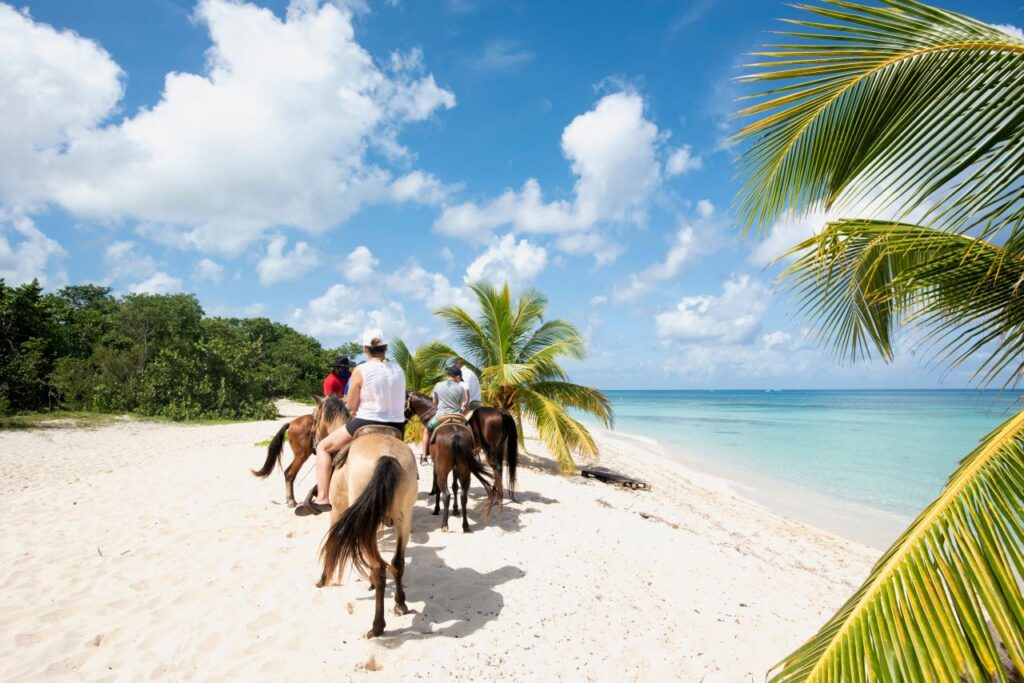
426, 416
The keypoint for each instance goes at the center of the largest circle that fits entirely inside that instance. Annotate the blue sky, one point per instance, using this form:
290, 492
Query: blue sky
337, 166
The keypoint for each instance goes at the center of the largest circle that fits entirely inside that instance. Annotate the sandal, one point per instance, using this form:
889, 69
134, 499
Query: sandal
310, 506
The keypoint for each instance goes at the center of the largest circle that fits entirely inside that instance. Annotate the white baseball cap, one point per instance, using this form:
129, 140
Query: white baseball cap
374, 337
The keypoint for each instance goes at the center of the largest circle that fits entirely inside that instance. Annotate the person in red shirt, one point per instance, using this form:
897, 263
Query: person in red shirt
337, 382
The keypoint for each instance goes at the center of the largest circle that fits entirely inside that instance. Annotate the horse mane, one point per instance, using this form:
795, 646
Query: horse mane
334, 410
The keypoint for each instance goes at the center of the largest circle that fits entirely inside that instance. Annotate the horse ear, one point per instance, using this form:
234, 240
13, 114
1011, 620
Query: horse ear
317, 399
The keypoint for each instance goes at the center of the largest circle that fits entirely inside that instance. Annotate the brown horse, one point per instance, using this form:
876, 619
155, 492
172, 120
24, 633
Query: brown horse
375, 487
495, 431
452, 451
300, 437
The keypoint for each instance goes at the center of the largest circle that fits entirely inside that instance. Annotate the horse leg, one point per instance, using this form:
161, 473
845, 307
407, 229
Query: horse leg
398, 569
455, 494
446, 494
436, 492
289, 478
377, 578
336, 513
465, 500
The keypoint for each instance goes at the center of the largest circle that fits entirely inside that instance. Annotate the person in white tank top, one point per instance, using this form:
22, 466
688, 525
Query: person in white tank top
376, 395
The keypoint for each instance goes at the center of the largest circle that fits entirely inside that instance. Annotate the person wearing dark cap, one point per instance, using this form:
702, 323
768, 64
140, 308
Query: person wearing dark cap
336, 383
450, 398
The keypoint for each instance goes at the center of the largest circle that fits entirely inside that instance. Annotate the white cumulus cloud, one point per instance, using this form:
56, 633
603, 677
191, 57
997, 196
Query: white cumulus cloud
29, 255
208, 269
507, 260
683, 160
612, 151
359, 265
158, 283
278, 265
734, 316
277, 131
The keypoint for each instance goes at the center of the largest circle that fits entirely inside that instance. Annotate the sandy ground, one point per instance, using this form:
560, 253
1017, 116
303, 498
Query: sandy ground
146, 551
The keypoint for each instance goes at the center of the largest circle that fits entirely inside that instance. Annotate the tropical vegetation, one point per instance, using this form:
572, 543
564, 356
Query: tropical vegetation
910, 119
516, 352
913, 114
81, 348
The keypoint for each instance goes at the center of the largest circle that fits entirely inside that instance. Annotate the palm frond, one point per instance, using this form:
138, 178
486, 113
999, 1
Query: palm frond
860, 281
586, 399
921, 614
560, 433
899, 107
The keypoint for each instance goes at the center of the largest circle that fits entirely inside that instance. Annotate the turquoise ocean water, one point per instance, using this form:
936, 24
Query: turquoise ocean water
859, 463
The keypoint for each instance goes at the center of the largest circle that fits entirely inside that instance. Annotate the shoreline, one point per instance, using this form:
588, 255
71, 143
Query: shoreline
866, 526
159, 555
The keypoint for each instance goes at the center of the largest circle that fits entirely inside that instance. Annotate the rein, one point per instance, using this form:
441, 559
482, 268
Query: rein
425, 417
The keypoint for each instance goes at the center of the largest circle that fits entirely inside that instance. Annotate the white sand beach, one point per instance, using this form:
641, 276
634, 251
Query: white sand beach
146, 551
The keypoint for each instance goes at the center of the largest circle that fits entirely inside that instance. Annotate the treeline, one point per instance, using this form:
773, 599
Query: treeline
81, 348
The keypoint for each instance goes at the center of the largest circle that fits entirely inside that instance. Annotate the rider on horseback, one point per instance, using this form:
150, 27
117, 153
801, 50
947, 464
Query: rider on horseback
376, 396
451, 397
470, 379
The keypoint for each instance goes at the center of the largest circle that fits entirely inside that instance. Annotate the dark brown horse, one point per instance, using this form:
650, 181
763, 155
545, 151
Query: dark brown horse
300, 437
495, 431
453, 453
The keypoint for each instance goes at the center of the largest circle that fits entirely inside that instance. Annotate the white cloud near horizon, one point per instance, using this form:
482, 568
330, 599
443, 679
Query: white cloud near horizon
158, 283
732, 317
29, 256
373, 299
276, 132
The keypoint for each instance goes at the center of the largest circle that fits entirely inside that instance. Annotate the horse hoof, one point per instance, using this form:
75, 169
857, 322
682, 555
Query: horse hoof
466, 530
373, 633
401, 610
320, 584
444, 529
290, 503
436, 512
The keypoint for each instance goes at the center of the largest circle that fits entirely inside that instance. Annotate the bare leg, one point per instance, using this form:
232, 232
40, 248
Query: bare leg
325, 450
377, 578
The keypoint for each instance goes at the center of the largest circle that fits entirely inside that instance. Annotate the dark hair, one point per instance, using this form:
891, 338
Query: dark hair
376, 351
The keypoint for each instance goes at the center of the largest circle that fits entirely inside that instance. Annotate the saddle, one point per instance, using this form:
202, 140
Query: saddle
341, 456
454, 420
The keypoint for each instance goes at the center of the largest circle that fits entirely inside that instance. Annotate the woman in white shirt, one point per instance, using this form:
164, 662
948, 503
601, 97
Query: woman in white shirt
376, 396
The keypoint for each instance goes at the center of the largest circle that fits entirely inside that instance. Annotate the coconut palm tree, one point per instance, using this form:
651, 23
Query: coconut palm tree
515, 352
420, 376
913, 117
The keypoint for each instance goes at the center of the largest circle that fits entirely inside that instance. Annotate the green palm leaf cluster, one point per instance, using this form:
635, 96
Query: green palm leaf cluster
516, 354
420, 376
912, 117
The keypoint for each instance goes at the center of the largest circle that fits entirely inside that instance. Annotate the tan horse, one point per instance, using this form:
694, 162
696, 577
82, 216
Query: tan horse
376, 486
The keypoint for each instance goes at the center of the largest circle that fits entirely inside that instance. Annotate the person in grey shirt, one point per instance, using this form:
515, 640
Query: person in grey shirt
451, 397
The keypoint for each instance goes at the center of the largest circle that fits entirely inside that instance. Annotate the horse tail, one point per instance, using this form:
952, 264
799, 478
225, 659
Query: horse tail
462, 452
353, 538
273, 453
510, 435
